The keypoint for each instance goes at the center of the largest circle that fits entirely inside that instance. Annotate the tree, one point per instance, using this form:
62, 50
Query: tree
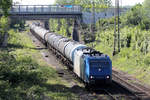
4, 23
86, 3
135, 16
5, 6
146, 6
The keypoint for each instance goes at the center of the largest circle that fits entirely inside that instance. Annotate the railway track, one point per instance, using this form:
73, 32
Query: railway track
111, 96
119, 90
138, 91
109, 91
114, 92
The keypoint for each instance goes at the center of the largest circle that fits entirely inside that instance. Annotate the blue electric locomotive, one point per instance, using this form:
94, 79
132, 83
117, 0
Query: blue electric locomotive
92, 66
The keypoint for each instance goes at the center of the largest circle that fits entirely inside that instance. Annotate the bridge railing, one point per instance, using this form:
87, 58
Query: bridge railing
45, 9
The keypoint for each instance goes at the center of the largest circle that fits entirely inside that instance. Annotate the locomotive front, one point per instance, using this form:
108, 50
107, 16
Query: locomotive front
92, 66
98, 69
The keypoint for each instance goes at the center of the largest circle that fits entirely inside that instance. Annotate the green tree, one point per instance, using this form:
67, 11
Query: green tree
134, 16
86, 3
138, 16
4, 23
5, 6
146, 6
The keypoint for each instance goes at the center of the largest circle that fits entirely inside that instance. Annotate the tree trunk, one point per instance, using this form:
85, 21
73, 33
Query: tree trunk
67, 28
0, 39
59, 25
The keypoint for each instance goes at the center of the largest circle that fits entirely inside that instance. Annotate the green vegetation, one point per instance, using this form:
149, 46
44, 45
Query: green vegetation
5, 6
62, 26
3, 28
134, 57
4, 21
86, 3
24, 75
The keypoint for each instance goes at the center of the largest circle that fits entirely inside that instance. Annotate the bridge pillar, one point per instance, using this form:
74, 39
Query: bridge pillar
67, 28
46, 24
59, 24
75, 33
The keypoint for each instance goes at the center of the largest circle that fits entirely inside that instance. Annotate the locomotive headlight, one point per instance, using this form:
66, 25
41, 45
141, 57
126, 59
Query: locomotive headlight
92, 77
99, 69
107, 77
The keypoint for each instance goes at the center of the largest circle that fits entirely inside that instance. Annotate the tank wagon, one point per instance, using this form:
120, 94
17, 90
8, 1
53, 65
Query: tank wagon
88, 64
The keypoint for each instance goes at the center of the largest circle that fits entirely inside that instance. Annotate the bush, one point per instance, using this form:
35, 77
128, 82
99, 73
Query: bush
145, 23
3, 27
147, 60
14, 73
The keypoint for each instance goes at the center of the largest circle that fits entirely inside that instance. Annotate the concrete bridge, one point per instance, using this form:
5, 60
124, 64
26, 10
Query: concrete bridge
36, 12
44, 12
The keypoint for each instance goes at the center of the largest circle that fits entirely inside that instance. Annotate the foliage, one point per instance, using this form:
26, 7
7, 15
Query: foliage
135, 50
24, 75
134, 16
147, 7
134, 57
3, 27
5, 5
137, 16
86, 3
4, 24
65, 27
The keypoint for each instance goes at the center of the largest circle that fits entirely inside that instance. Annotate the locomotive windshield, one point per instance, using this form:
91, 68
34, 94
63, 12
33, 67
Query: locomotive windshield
99, 63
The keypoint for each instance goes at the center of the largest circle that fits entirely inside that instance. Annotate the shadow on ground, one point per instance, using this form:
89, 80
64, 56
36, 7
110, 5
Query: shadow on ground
23, 79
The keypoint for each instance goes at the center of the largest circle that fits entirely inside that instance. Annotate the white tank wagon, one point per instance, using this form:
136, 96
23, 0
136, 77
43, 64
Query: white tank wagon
62, 44
71, 47
32, 26
41, 31
57, 42
55, 39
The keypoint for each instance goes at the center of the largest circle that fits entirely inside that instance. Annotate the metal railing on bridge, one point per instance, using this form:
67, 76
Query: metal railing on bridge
45, 9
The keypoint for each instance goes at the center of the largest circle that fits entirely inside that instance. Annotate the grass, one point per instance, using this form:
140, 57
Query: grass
24, 75
131, 61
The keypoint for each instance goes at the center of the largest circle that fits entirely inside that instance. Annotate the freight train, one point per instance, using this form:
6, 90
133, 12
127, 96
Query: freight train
91, 66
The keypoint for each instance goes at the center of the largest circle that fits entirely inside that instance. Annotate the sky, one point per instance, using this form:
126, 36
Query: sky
128, 2
48, 2
35, 2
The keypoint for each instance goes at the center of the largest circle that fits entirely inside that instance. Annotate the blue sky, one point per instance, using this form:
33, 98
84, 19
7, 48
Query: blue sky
47, 2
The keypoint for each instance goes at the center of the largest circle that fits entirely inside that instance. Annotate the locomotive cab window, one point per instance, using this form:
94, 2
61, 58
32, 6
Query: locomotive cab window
98, 64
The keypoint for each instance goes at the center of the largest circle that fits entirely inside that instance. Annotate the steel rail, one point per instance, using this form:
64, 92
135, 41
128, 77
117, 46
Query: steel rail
136, 91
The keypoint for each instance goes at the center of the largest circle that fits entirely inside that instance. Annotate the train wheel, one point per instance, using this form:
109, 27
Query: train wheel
87, 86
